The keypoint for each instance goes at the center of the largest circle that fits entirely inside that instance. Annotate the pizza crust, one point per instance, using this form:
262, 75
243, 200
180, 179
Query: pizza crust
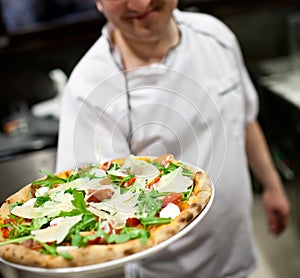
94, 254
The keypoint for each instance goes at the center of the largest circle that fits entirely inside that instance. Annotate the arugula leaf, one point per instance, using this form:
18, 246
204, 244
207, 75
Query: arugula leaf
48, 249
81, 241
41, 200
114, 179
51, 249
186, 195
165, 170
171, 167
118, 238
11, 206
126, 179
77, 240
66, 256
78, 203
114, 166
16, 240
18, 229
149, 202
186, 172
85, 172
37, 223
50, 181
88, 223
152, 220
72, 177
129, 233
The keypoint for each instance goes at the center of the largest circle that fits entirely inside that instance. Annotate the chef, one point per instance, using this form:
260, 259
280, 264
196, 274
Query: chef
158, 81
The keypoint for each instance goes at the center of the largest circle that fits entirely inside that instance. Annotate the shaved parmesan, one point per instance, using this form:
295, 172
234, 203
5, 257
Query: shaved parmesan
41, 191
60, 202
117, 209
30, 213
173, 182
58, 229
78, 184
98, 173
140, 168
119, 202
118, 173
30, 203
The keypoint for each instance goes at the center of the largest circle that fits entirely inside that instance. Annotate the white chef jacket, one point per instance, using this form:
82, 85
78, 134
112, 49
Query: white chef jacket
195, 104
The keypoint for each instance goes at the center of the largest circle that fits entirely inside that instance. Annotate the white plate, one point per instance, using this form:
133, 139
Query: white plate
110, 268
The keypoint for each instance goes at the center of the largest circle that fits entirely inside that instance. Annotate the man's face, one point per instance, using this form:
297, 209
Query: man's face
140, 20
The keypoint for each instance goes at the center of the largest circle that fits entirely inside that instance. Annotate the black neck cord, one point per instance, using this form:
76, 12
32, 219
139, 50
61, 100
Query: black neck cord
129, 112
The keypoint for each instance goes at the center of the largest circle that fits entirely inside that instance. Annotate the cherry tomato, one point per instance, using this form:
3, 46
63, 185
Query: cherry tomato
132, 222
105, 166
150, 183
130, 182
172, 198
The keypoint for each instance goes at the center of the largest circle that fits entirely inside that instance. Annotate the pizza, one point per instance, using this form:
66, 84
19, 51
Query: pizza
100, 213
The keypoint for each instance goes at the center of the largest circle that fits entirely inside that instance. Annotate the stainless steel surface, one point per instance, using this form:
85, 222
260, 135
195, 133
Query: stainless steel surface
22, 169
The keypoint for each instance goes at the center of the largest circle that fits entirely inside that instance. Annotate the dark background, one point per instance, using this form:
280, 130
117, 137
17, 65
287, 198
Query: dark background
61, 33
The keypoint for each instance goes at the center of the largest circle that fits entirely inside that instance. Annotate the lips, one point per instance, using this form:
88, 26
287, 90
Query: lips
144, 15
141, 16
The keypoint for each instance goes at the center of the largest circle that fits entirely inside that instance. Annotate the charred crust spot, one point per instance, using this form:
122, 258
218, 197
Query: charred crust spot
197, 206
128, 252
187, 218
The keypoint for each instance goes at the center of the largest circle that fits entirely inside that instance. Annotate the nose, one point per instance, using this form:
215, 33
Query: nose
138, 5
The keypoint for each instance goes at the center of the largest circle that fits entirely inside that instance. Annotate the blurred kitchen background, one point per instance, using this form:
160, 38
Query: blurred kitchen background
42, 40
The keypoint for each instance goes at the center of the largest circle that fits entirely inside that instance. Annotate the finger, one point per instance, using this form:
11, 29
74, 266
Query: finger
277, 223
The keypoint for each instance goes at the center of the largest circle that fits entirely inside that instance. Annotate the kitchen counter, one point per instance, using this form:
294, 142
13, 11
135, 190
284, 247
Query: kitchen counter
25, 152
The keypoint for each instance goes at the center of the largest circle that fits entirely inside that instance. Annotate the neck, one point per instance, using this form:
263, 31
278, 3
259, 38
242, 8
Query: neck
142, 53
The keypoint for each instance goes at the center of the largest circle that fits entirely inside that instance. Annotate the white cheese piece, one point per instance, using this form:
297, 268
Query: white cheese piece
41, 191
119, 202
98, 173
117, 219
60, 202
170, 210
58, 229
142, 169
173, 182
95, 184
30, 213
79, 184
30, 203
117, 209
118, 173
